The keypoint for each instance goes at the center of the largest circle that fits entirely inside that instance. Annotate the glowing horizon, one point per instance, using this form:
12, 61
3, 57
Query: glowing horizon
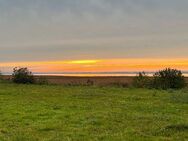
99, 65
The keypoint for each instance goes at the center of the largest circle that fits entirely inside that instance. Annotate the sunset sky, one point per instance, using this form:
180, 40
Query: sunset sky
93, 35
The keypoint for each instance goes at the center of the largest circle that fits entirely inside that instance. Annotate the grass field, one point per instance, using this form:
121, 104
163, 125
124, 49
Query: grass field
65, 113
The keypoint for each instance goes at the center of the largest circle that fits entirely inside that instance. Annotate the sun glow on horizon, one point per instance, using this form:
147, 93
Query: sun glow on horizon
84, 61
99, 65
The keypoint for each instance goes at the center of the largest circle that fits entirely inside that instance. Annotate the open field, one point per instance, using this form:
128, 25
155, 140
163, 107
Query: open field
82, 80
67, 113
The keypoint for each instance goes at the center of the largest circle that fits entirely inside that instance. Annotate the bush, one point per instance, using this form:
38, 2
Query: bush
23, 76
42, 80
89, 82
142, 80
168, 79
1, 75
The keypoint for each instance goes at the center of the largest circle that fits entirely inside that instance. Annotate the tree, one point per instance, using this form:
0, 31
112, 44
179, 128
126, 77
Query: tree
23, 76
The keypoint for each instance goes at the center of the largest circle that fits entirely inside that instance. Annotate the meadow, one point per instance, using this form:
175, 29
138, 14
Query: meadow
91, 113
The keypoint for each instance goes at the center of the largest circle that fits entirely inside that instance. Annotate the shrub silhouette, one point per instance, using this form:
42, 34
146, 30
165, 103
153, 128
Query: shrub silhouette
142, 80
23, 76
42, 80
89, 82
168, 79
1, 76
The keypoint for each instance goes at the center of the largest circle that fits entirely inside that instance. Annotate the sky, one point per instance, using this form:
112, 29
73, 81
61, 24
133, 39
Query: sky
93, 35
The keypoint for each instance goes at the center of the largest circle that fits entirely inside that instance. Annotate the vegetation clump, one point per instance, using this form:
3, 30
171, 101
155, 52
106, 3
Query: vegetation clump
22, 76
42, 81
142, 80
1, 75
169, 79
163, 79
89, 82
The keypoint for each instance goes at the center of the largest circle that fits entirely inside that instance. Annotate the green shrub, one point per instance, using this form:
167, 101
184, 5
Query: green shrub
23, 76
168, 79
142, 80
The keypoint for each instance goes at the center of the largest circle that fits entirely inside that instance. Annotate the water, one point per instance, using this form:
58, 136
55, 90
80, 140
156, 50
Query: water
93, 74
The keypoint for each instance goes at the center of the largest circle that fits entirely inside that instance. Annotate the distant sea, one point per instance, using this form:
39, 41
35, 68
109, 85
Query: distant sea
93, 74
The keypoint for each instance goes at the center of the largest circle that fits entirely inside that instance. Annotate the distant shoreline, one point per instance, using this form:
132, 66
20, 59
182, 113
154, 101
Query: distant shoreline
93, 74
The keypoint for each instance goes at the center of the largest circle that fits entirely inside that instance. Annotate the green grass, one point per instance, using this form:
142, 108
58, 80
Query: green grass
65, 113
